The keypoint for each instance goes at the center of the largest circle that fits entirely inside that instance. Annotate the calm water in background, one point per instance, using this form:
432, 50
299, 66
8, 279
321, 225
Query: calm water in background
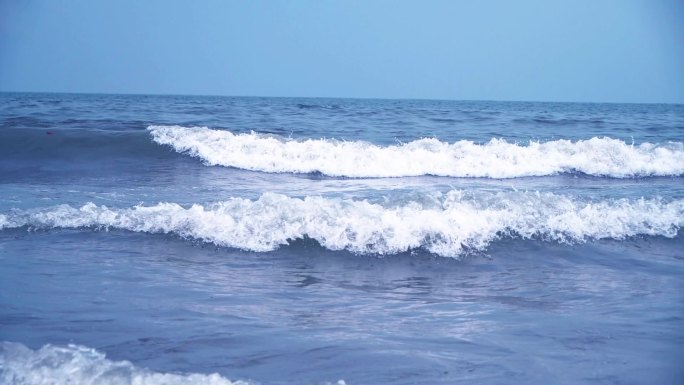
573, 275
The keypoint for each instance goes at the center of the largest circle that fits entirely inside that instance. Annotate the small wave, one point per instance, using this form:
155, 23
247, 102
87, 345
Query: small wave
78, 144
74, 364
449, 225
318, 106
495, 159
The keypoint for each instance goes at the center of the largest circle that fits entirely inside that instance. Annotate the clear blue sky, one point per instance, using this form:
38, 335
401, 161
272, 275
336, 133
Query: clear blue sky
547, 50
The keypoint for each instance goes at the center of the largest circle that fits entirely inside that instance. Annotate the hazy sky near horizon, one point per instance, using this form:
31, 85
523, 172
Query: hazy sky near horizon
543, 50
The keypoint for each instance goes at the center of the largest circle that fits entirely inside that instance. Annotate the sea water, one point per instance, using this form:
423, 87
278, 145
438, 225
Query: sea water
226, 240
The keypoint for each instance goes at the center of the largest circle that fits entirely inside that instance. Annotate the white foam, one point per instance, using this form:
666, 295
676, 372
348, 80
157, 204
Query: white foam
494, 159
448, 225
73, 364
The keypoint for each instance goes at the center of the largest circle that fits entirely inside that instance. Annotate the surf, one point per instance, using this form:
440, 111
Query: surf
496, 158
77, 364
449, 225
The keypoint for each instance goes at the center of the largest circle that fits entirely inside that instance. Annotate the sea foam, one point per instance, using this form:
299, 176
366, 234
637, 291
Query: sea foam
449, 225
494, 159
74, 364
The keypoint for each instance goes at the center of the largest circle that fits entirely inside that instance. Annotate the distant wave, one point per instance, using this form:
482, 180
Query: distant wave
74, 364
449, 225
494, 159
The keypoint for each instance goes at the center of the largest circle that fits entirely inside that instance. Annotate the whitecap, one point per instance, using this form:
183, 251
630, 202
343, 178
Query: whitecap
75, 364
450, 225
496, 158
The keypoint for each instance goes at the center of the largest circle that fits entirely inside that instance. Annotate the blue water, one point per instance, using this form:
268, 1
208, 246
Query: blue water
162, 239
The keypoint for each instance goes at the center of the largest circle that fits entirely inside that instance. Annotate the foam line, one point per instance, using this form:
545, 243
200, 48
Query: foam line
494, 159
74, 364
448, 225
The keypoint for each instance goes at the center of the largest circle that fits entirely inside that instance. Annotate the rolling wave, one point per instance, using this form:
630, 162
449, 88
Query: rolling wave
74, 364
78, 144
497, 158
449, 225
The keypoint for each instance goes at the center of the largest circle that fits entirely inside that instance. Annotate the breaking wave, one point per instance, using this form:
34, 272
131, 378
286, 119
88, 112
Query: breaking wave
448, 224
494, 159
74, 364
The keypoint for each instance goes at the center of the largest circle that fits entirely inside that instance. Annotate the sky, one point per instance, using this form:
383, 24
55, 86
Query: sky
534, 50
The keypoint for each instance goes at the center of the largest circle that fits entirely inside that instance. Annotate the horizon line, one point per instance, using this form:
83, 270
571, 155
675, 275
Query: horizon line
331, 97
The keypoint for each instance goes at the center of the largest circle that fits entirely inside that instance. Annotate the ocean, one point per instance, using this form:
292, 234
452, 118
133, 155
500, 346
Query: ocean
246, 240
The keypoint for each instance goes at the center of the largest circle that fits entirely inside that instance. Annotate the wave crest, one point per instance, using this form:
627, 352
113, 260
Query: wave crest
74, 364
450, 225
494, 159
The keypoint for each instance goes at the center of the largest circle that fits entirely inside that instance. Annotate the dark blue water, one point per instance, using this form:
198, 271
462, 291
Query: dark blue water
161, 239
